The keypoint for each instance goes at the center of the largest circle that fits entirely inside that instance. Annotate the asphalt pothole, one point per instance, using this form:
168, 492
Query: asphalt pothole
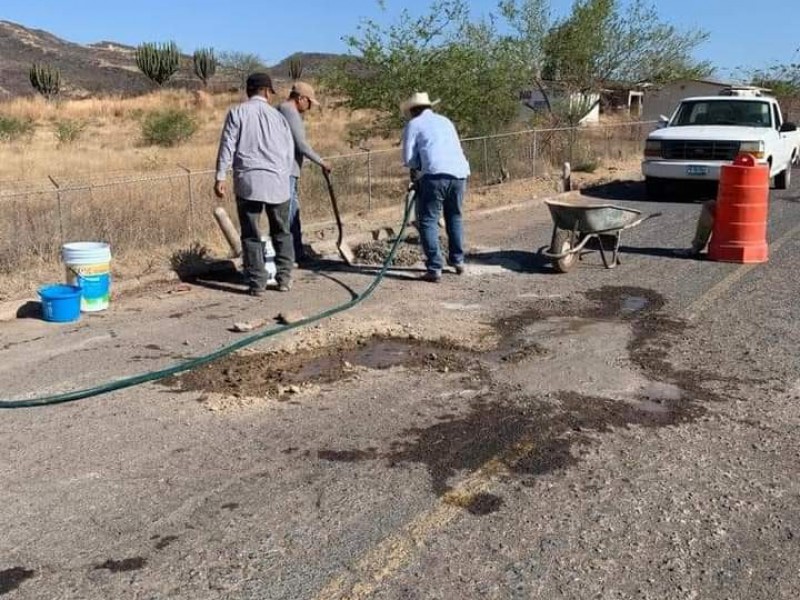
279, 373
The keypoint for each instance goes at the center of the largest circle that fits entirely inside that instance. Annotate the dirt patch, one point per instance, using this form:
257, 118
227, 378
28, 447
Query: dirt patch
279, 374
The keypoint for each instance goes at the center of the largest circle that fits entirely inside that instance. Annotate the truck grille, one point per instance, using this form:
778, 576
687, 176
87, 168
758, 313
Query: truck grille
699, 150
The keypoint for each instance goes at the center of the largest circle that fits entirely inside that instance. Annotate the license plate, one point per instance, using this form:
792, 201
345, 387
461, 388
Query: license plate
696, 170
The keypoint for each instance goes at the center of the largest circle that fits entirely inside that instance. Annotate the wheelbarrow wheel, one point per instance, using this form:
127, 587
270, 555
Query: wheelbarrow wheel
562, 242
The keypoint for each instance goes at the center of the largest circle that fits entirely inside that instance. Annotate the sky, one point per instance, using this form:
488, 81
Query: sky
743, 33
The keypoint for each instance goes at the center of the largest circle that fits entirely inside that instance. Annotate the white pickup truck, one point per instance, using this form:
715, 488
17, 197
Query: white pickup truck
707, 132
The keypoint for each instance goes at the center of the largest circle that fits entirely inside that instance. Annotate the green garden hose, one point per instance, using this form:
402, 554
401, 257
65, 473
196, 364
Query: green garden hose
199, 361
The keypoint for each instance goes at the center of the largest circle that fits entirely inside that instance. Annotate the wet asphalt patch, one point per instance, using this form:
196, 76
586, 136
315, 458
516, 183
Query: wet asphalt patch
122, 566
548, 431
11, 579
526, 436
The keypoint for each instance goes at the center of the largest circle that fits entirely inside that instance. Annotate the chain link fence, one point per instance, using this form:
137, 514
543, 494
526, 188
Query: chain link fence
147, 215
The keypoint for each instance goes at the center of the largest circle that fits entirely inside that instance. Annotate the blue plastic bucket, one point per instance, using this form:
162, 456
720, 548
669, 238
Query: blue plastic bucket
60, 303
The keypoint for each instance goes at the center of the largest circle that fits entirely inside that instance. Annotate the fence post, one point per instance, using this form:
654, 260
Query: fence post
191, 198
485, 161
369, 179
60, 210
534, 153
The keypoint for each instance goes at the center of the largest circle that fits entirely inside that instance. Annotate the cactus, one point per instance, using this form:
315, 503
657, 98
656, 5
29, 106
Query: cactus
45, 79
205, 64
296, 67
159, 62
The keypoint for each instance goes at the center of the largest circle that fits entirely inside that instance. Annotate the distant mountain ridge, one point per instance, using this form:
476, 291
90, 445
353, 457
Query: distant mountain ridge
104, 67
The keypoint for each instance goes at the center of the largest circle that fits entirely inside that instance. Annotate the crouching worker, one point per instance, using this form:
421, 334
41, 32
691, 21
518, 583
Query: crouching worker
705, 225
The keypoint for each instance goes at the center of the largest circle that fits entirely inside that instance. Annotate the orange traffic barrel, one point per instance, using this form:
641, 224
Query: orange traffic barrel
740, 220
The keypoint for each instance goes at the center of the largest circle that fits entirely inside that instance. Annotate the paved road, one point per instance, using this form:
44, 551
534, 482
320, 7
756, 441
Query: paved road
508, 434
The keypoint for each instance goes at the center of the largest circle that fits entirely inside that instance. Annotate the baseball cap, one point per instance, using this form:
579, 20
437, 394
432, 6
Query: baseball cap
301, 88
256, 81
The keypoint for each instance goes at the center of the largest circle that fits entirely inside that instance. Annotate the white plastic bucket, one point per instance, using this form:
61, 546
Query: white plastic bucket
88, 266
269, 260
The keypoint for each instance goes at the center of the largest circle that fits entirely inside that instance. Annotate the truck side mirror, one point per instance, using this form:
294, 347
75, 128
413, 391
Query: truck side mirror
663, 121
787, 127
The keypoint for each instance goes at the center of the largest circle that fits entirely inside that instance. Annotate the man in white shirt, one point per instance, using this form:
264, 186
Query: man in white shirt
433, 152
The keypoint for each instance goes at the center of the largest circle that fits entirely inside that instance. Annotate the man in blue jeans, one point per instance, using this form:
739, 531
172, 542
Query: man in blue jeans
432, 150
301, 100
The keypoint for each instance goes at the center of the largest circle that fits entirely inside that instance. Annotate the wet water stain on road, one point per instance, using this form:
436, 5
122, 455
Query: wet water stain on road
122, 566
526, 436
11, 579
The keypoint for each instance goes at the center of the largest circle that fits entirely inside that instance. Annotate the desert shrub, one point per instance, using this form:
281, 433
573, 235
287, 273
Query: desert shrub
12, 128
588, 165
68, 131
169, 127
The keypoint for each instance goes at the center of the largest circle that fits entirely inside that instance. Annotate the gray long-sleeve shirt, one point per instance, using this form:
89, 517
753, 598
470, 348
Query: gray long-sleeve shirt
257, 142
302, 149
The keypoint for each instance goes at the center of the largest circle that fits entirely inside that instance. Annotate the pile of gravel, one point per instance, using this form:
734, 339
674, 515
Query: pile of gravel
375, 253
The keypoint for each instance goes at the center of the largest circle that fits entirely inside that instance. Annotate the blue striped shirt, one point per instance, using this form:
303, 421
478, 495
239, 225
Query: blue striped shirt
431, 146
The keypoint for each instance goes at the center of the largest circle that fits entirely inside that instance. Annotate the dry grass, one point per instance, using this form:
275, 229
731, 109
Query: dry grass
111, 141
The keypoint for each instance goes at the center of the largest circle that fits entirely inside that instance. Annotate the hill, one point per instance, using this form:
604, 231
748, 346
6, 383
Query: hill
102, 68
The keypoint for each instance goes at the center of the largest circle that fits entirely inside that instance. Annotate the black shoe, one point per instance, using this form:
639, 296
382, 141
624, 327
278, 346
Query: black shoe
687, 253
285, 285
256, 292
431, 277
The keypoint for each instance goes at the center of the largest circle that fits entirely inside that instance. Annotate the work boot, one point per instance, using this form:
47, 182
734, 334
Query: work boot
687, 253
431, 277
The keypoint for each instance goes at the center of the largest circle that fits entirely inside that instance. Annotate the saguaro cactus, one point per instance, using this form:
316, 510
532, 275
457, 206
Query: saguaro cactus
296, 67
205, 64
46, 80
159, 62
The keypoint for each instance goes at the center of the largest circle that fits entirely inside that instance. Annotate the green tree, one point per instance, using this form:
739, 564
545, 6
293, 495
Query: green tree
598, 43
601, 42
46, 80
468, 65
158, 62
241, 64
204, 62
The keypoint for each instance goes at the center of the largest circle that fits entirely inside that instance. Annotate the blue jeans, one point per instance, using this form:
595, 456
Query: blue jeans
434, 193
294, 219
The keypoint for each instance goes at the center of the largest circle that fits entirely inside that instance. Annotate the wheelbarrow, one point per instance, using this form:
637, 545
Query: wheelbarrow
575, 225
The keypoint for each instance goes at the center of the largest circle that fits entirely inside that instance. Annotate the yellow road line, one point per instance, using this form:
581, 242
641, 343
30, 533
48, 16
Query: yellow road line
714, 292
384, 560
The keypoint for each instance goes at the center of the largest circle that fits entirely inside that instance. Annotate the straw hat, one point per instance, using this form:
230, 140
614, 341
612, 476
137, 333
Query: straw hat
418, 99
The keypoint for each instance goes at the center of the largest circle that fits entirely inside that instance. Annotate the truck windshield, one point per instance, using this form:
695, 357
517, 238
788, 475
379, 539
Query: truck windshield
723, 112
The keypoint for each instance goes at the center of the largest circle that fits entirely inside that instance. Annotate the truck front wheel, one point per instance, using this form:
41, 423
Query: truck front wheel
783, 180
655, 189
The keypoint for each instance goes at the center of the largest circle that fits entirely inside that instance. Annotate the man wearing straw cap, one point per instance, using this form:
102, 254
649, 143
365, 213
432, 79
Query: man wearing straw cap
432, 150
257, 141
301, 100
